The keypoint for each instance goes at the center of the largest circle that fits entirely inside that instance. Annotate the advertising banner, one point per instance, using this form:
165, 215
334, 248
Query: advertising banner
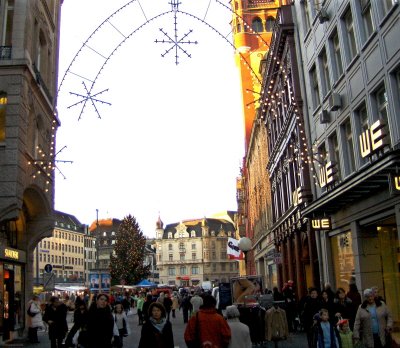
94, 281
246, 289
105, 281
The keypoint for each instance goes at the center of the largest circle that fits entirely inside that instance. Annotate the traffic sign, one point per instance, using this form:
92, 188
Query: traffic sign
48, 268
49, 281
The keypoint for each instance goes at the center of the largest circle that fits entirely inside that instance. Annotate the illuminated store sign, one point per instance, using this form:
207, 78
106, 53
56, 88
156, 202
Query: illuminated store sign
394, 184
373, 139
327, 174
321, 224
301, 195
12, 254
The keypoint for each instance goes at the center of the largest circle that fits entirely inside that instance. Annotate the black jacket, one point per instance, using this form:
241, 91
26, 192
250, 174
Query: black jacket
100, 327
58, 316
153, 338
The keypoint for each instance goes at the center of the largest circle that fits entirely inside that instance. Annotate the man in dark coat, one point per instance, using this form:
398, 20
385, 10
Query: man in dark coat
55, 315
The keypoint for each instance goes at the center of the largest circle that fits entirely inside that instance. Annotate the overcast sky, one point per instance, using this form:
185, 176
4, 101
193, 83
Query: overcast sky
172, 140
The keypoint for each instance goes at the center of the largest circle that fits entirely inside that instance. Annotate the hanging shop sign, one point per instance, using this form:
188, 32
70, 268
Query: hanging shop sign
373, 139
12, 254
394, 184
327, 174
301, 195
321, 224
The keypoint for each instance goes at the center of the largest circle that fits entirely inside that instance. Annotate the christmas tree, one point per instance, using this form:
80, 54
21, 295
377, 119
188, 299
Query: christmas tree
126, 265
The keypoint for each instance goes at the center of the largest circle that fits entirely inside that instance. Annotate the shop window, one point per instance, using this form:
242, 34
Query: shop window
343, 260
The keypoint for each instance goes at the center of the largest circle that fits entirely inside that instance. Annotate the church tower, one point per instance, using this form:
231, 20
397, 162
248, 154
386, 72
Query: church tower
252, 25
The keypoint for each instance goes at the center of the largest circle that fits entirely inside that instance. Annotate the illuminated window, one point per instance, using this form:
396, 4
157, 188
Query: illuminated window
3, 105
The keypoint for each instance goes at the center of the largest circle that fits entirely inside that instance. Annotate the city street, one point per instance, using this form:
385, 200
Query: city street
295, 340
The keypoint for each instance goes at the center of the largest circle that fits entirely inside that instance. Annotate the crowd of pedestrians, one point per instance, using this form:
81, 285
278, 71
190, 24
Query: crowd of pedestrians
330, 319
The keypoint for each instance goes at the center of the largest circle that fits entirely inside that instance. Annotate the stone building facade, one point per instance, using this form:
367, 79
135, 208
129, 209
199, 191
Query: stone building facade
193, 251
29, 45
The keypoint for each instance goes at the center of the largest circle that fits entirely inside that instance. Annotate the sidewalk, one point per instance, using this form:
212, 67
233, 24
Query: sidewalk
296, 340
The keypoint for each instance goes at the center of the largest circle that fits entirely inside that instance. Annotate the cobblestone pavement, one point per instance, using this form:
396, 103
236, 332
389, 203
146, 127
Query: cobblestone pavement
297, 340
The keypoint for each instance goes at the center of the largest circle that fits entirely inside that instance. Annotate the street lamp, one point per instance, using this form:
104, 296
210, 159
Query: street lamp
244, 245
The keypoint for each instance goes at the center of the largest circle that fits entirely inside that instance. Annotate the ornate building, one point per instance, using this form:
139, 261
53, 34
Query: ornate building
252, 26
29, 44
194, 251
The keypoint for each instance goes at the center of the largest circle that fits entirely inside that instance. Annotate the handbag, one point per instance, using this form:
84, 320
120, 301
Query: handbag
196, 343
31, 314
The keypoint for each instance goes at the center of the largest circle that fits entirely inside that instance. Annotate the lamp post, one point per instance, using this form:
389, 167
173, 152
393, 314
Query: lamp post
244, 245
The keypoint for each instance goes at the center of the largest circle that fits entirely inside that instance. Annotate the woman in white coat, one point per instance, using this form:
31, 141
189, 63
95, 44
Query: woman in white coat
34, 319
240, 333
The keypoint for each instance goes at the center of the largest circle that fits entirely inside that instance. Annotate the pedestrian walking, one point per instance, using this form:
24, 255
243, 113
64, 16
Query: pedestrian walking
175, 305
373, 322
290, 304
326, 334
343, 307
157, 330
139, 306
346, 335
100, 323
55, 315
240, 333
167, 305
207, 327
80, 326
121, 324
312, 305
196, 301
186, 307
146, 306
34, 319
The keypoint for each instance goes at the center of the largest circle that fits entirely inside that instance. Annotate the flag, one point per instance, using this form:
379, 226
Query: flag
233, 251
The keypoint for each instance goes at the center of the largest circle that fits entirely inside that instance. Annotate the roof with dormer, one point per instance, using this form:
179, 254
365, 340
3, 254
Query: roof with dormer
68, 222
220, 227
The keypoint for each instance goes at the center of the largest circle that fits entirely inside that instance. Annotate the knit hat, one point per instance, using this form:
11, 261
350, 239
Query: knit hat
342, 322
368, 292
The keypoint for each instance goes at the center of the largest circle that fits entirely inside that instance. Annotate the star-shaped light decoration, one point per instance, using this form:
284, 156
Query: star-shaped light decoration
88, 96
176, 43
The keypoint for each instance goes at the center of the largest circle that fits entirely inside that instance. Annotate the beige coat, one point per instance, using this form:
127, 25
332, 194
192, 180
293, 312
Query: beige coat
363, 326
276, 325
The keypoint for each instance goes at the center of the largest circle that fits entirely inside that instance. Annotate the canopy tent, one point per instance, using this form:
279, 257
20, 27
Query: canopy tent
146, 284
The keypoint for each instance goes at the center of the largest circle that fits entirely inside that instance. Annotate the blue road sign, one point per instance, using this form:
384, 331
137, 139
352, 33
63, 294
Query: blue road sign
48, 268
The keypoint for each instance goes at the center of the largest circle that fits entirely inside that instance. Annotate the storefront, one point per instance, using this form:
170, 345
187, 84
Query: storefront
12, 262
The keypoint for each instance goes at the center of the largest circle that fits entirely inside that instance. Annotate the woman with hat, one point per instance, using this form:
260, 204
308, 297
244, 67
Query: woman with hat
373, 322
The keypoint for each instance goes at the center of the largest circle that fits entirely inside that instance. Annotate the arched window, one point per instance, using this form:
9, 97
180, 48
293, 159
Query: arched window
257, 25
193, 234
238, 28
269, 24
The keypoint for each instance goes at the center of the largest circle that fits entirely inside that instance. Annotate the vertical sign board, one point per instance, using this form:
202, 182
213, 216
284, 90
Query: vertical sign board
49, 281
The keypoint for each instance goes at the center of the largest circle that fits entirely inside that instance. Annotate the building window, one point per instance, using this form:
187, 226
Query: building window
195, 269
381, 101
223, 267
170, 257
343, 264
182, 257
306, 16
171, 271
182, 270
170, 247
8, 24
366, 14
334, 150
386, 6
231, 266
181, 247
326, 81
193, 234
315, 87
214, 267
193, 246
193, 256
338, 66
269, 24
169, 235
351, 37
348, 151
256, 25
362, 125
